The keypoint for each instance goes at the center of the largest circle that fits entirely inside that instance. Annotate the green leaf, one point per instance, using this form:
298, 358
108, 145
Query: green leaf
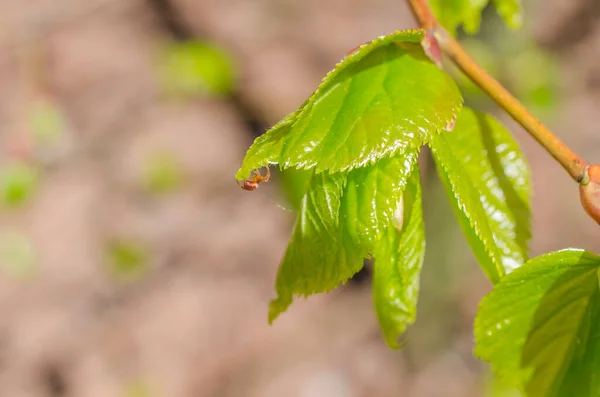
293, 184
127, 260
454, 13
534, 74
398, 259
467, 13
511, 12
488, 181
18, 255
316, 259
18, 182
162, 173
386, 98
540, 327
371, 196
341, 218
46, 120
196, 67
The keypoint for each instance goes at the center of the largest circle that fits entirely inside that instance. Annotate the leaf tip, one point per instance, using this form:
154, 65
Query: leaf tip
278, 306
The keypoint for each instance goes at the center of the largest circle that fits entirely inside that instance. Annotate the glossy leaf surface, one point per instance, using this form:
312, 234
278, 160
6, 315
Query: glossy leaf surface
341, 218
386, 98
399, 256
488, 182
540, 326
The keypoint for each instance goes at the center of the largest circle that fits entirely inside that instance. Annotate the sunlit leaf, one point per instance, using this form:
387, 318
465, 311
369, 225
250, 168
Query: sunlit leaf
386, 98
487, 179
539, 326
398, 258
341, 218
371, 196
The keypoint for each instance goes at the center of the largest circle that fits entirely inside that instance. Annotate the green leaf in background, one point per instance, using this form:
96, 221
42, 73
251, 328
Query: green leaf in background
162, 173
488, 58
386, 98
540, 326
139, 388
127, 259
341, 218
511, 12
18, 256
196, 67
399, 256
18, 181
533, 73
467, 13
454, 13
47, 121
488, 181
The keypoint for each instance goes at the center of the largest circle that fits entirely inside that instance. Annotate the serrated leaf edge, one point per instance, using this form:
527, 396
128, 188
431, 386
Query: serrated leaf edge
358, 54
488, 250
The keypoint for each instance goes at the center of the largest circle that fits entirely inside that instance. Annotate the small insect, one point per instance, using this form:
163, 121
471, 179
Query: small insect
255, 178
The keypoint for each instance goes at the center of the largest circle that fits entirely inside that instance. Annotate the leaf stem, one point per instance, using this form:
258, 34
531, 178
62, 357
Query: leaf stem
570, 160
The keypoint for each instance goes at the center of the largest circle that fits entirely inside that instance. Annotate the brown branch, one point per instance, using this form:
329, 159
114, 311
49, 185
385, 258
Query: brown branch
571, 162
423, 13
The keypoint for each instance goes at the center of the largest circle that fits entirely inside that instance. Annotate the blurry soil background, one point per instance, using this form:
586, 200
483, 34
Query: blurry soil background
131, 265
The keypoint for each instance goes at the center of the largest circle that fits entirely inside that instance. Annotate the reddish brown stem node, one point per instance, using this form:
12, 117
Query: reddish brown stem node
589, 192
587, 176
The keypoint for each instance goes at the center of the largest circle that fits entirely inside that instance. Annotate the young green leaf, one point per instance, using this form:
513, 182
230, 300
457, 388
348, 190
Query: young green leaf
371, 196
18, 182
488, 181
341, 218
196, 67
316, 259
398, 259
386, 98
539, 326
511, 12
454, 13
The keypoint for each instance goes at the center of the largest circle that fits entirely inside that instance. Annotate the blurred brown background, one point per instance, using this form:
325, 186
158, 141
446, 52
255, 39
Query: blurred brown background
132, 265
